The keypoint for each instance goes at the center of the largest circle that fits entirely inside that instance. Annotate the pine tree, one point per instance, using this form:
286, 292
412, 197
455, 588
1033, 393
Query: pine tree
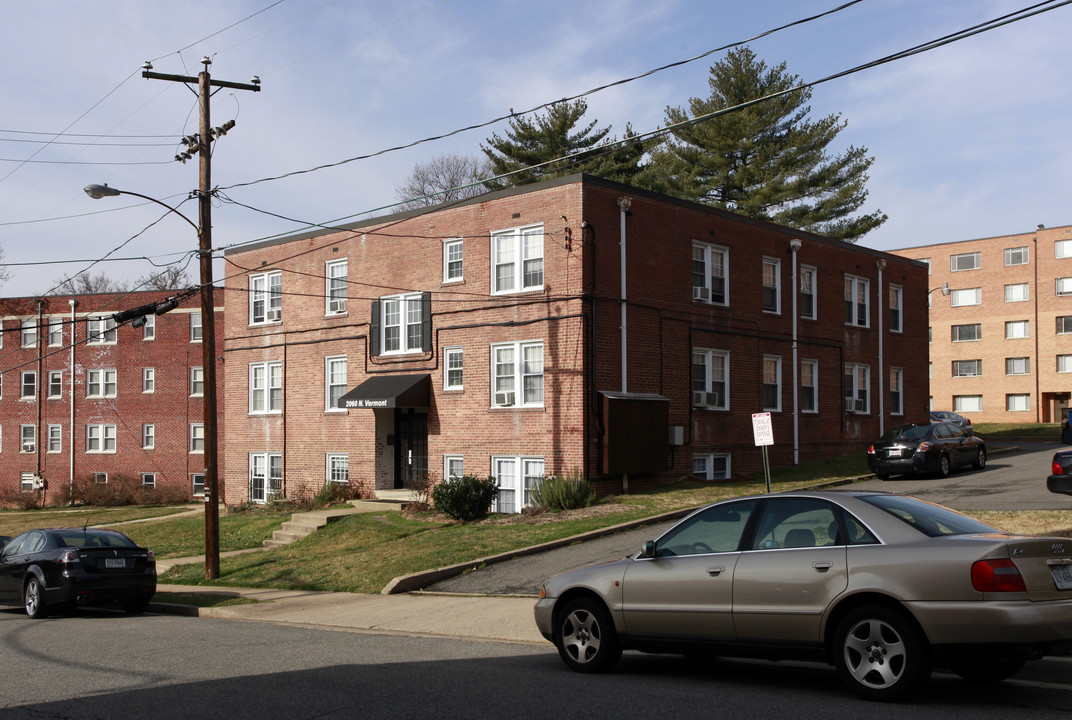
767, 160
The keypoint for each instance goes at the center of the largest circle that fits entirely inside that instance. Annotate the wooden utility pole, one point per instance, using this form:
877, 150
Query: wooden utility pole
208, 321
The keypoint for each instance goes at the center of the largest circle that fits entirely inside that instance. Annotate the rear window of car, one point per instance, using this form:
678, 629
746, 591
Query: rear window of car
94, 538
907, 432
930, 519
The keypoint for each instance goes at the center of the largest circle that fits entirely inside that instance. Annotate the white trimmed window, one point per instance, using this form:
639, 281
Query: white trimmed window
197, 382
809, 386
55, 384
335, 276
711, 466
148, 479
28, 438
265, 476
266, 297
770, 278
1064, 363
808, 309
55, 438
453, 260
1017, 292
338, 468
709, 280
517, 260
1016, 329
966, 296
196, 329
100, 438
148, 330
1062, 249
1064, 286
55, 332
711, 379
334, 382
1017, 256
857, 301
148, 436
517, 477
402, 324
967, 403
453, 369
101, 330
772, 383
265, 388
896, 391
972, 332
100, 383
197, 438
100, 478
964, 261
26, 482
896, 303
1017, 402
29, 333
28, 385
967, 368
517, 374
453, 466
197, 482
1064, 325
857, 388
1017, 366
148, 380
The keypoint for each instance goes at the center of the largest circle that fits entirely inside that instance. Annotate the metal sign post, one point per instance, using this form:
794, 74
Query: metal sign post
763, 433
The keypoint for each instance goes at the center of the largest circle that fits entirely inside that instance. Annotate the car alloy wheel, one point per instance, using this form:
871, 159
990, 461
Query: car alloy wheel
880, 654
980, 460
34, 599
943, 465
585, 637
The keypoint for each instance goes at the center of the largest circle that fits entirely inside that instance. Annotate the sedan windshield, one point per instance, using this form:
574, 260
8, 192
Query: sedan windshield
930, 519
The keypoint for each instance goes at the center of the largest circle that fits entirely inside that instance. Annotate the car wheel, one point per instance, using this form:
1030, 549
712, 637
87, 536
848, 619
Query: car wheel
990, 672
980, 459
33, 598
943, 465
585, 638
880, 654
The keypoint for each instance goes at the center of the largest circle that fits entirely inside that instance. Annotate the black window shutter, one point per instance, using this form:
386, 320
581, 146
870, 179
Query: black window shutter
374, 329
426, 321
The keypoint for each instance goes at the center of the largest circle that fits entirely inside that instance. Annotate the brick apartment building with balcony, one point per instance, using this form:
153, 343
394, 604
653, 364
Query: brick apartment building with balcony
82, 399
1001, 340
495, 337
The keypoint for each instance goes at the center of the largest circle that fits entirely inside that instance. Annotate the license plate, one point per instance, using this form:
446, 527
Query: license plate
115, 562
1062, 577
893, 452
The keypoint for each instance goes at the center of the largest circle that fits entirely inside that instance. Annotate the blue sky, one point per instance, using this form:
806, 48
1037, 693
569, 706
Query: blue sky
969, 140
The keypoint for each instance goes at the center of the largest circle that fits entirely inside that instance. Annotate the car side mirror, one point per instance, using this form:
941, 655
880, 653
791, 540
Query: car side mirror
647, 550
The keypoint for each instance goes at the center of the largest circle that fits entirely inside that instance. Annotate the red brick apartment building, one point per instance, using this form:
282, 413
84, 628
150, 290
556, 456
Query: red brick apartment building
495, 337
83, 399
1001, 340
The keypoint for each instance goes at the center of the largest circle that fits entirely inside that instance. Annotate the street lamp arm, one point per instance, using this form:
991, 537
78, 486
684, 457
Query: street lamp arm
98, 191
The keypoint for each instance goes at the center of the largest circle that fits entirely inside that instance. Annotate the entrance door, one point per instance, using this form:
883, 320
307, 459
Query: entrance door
411, 449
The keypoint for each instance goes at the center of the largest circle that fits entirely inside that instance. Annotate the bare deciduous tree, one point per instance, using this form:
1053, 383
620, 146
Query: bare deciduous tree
170, 278
445, 178
87, 283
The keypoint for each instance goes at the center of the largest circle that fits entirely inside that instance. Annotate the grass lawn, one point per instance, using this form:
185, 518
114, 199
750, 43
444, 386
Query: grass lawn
13, 522
1018, 431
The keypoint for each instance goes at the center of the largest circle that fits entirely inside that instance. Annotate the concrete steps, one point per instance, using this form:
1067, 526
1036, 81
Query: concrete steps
302, 525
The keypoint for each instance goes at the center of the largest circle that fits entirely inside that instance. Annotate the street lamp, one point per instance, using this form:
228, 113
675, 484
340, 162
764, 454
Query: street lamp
208, 361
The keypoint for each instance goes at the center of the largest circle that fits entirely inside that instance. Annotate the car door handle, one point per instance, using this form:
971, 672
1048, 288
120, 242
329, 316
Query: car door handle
716, 570
822, 565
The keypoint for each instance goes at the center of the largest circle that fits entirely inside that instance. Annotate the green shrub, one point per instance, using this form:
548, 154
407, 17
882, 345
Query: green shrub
465, 498
559, 492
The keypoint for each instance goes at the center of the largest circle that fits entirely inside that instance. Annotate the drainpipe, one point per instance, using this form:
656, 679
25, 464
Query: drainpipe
40, 338
794, 247
70, 435
881, 394
624, 204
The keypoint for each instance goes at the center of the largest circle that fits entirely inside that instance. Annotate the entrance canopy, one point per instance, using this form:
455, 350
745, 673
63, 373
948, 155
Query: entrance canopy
389, 391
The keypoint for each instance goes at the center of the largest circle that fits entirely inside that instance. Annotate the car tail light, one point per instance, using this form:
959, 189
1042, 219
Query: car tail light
997, 576
871, 450
68, 557
1056, 468
150, 555
923, 447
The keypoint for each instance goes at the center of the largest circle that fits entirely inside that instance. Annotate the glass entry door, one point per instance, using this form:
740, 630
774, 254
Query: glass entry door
411, 449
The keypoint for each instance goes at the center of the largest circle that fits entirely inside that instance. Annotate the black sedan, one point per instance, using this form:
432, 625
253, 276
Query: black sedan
69, 567
916, 448
1060, 479
957, 419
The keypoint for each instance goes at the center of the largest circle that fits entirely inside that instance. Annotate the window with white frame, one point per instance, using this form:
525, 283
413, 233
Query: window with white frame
100, 438
711, 379
1017, 292
1016, 329
709, 279
335, 273
197, 482
970, 332
809, 386
967, 368
28, 385
55, 438
100, 383
1062, 249
965, 296
808, 309
197, 438
453, 260
148, 479
1017, 256
29, 333
771, 284
967, 403
100, 478
453, 466
101, 330
857, 388
1064, 325
28, 438
402, 323
265, 387
196, 329
517, 260
772, 383
26, 482
517, 477
896, 303
1064, 363
148, 380
1017, 402
453, 369
338, 468
148, 436
266, 297
335, 369
148, 330
265, 476
55, 332
1064, 286
1018, 366
964, 261
896, 391
55, 384
711, 466
857, 301
517, 374
197, 382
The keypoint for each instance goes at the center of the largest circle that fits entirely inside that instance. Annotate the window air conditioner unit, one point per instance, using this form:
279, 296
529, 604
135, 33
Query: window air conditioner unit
850, 404
274, 315
701, 293
698, 399
712, 400
504, 398
28, 447
336, 306
861, 405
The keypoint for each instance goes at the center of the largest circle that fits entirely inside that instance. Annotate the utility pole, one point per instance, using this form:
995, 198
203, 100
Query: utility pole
208, 321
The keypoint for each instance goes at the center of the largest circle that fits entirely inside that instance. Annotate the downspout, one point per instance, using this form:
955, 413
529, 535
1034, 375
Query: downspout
881, 387
40, 342
794, 247
1034, 295
70, 436
624, 204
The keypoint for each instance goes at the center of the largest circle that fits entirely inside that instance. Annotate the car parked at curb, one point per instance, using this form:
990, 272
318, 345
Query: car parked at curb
68, 567
1060, 479
880, 585
937, 448
957, 419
